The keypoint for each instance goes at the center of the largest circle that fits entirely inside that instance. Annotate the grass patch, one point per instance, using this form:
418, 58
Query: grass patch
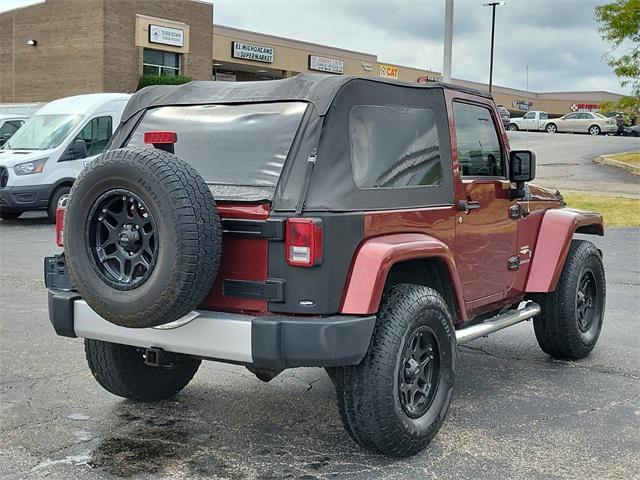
630, 158
616, 211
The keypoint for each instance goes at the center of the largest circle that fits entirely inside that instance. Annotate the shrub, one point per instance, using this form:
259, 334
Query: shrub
147, 80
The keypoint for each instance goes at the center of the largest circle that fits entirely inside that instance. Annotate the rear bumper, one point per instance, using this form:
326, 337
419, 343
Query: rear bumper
274, 342
31, 197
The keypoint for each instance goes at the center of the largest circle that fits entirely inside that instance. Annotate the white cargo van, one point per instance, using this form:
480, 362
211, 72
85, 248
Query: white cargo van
40, 162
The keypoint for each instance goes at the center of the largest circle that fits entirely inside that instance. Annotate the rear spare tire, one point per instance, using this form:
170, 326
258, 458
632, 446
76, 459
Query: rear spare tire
142, 237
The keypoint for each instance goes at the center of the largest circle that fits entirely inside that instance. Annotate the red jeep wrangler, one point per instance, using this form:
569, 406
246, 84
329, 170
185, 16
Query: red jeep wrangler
364, 226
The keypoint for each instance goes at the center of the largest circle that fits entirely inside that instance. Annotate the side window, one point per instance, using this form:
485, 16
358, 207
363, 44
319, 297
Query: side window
585, 116
529, 116
96, 134
10, 127
479, 151
571, 116
544, 116
394, 147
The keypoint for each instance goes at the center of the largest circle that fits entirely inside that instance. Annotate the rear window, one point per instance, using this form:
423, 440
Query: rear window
394, 147
239, 150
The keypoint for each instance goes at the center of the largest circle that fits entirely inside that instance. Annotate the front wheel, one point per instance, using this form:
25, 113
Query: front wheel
396, 399
594, 130
512, 127
121, 370
59, 194
551, 128
572, 315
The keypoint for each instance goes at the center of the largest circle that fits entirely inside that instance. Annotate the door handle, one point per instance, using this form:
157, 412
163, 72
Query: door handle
468, 205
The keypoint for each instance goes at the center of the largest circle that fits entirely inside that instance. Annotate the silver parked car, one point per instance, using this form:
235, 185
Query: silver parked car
582, 122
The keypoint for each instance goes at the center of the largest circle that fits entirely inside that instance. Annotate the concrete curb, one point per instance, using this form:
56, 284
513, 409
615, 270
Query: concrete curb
607, 160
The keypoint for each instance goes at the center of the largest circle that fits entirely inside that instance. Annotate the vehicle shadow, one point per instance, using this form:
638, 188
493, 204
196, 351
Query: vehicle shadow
227, 424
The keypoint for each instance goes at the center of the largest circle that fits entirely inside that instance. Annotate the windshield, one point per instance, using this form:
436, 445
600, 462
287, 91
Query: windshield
230, 145
42, 132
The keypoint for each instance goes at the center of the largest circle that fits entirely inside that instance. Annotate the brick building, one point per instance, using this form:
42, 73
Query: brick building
57, 48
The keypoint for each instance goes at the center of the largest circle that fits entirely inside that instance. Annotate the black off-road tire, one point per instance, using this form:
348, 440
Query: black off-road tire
53, 202
9, 215
558, 327
188, 230
120, 369
369, 397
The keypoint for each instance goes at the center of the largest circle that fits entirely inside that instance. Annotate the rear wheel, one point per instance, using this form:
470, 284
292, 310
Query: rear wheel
121, 370
513, 127
551, 128
396, 399
9, 215
594, 130
571, 319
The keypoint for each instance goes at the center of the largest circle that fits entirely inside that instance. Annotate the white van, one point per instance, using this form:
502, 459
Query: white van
40, 162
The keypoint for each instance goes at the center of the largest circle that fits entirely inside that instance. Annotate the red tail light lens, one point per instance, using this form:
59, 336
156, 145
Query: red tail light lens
60, 211
160, 138
304, 242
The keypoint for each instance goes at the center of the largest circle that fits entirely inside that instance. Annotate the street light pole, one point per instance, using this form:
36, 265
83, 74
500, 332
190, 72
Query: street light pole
493, 6
448, 40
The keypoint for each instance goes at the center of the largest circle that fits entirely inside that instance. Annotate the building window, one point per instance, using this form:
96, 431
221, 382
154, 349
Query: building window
155, 62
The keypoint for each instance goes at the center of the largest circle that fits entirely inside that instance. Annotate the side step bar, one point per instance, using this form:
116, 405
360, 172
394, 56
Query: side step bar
496, 323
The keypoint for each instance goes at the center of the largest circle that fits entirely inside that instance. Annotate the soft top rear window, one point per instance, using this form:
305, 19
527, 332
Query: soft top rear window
239, 150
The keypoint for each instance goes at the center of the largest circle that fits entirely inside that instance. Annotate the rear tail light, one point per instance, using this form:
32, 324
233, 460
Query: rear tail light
304, 242
163, 137
161, 140
60, 211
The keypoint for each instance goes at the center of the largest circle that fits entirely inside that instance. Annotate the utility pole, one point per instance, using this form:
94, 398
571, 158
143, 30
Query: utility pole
493, 6
448, 40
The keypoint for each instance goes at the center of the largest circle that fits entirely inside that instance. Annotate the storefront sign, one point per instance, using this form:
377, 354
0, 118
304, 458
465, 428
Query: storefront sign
166, 36
521, 104
256, 53
366, 66
427, 79
326, 64
225, 76
584, 106
387, 71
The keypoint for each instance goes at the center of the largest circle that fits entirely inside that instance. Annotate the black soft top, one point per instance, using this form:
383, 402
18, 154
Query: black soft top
318, 89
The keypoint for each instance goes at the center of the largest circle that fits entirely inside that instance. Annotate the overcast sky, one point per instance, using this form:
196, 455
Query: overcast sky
557, 39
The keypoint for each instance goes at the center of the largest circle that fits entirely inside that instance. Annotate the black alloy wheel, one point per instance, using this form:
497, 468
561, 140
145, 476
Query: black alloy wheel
419, 375
572, 314
123, 239
586, 301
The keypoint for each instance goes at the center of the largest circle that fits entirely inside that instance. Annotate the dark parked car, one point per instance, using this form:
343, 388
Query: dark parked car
324, 221
632, 131
505, 116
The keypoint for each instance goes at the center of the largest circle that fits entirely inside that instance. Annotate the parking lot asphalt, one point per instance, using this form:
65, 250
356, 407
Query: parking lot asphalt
516, 413
565, 162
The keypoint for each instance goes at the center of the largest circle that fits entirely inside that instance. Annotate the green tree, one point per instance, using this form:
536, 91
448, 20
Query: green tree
147, 80
620, 24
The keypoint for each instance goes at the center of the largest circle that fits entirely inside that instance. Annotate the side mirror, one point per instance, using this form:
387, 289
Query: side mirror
75, 151
522, 168
80, 149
